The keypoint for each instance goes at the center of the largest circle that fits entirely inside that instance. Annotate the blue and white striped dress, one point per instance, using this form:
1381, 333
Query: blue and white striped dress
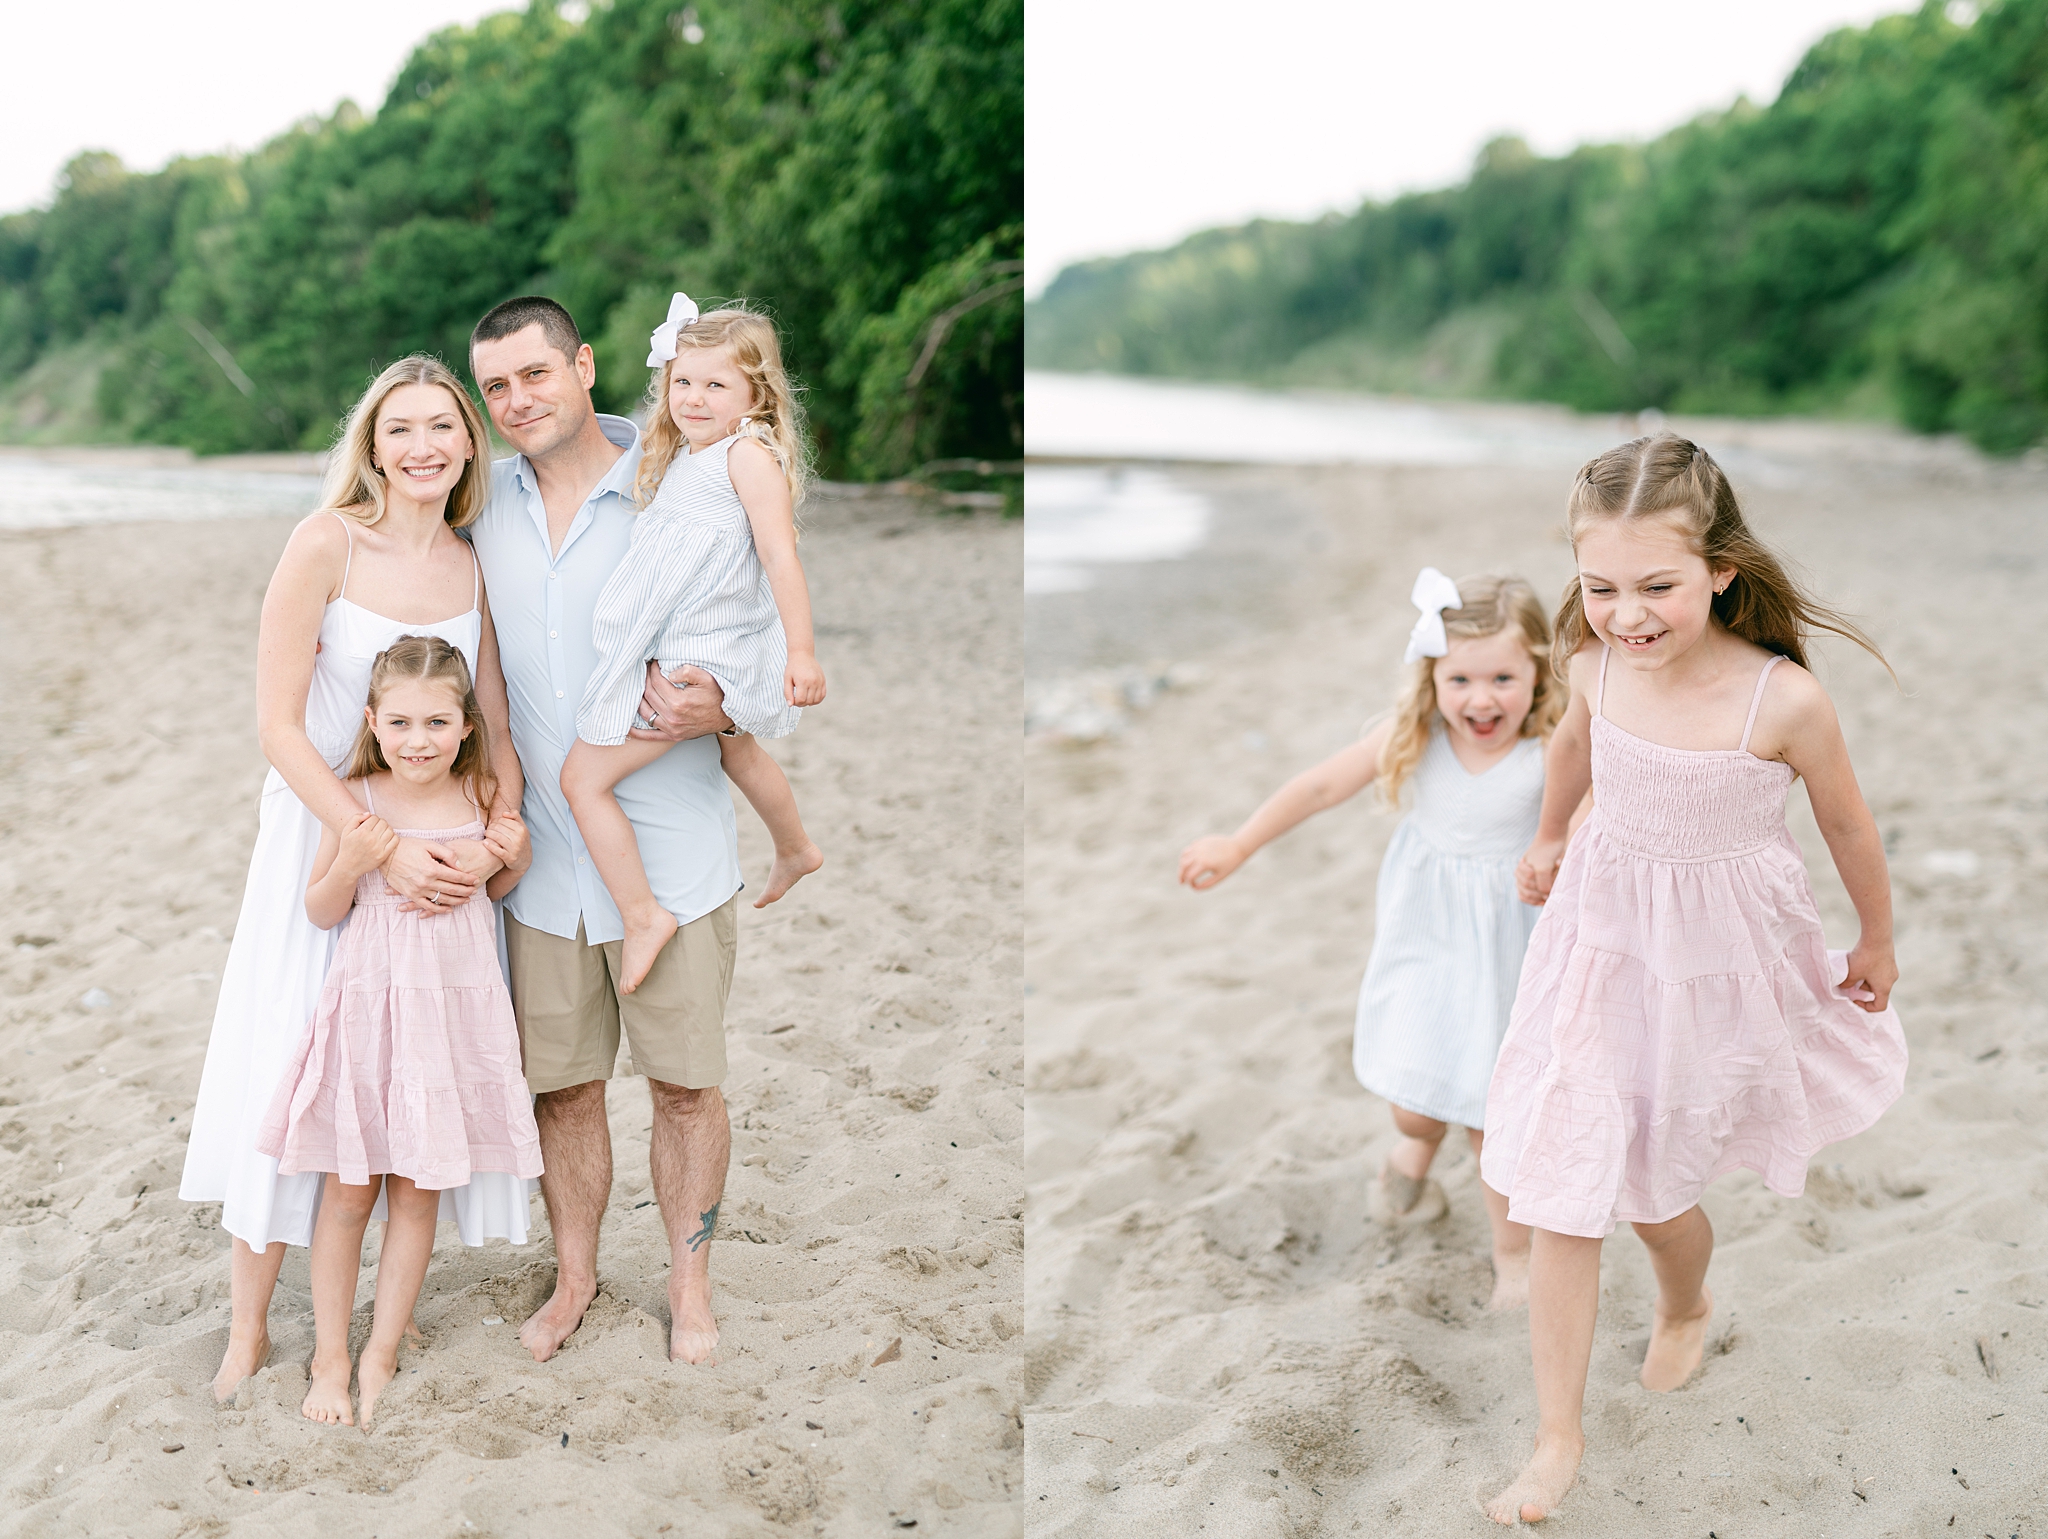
690, 589
1449, 933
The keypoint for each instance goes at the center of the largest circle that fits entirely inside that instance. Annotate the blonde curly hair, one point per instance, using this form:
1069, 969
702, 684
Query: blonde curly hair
776, 418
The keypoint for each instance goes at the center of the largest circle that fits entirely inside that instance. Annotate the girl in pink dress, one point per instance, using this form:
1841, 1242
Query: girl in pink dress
1678, 1015
408, 1076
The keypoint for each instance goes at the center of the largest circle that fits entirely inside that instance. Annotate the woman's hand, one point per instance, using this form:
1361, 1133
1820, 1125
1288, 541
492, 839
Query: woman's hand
1872, 968
365, 845
507, 839
1209, 860
426, 874
803, 681
1537, 871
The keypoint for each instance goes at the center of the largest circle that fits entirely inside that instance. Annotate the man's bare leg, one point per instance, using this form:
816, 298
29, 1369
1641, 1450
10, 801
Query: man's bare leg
576, 1150
1564, 1301
252, 1277
1680, 1249
588, 776
691, 1146
760, 779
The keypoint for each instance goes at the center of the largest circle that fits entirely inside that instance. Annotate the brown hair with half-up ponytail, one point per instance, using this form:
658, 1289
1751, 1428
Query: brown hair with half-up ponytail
429, 660
1487, 605
1671, 478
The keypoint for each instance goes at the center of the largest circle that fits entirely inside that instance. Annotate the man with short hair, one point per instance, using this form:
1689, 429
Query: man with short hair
558, 521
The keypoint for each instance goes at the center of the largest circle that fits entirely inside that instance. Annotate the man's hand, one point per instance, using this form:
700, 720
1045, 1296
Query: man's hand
426, 874
690, 706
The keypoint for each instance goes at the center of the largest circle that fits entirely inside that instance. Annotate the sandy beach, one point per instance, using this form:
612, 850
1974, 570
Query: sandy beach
1221, 1342
875, 1195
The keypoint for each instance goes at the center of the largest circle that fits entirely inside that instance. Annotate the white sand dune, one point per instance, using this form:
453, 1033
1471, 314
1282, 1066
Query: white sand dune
875, 1094
1221, 1343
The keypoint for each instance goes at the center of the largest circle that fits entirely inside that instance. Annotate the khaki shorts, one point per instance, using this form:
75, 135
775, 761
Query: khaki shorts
565, 995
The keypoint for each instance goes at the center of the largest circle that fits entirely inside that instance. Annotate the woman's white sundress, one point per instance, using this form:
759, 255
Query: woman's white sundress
278, 960
1448, 933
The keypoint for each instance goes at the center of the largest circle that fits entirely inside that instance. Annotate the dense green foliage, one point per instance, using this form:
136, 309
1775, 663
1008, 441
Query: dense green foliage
1877, 235
856, 168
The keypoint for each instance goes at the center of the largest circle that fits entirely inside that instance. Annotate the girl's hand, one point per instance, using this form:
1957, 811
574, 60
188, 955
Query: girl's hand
1208, 861
1537, 871
507, 839
803, 682
1871, 967
365, 845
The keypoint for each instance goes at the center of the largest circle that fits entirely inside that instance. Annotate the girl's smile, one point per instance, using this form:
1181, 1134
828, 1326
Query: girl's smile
708, 393
1485, 687
1648, 593
419, 724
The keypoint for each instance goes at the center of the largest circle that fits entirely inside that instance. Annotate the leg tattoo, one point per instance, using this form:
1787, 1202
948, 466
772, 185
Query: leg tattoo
709, 1221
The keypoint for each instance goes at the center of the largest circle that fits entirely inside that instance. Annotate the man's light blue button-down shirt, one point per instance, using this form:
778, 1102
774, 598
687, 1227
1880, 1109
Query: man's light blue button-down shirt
542, 602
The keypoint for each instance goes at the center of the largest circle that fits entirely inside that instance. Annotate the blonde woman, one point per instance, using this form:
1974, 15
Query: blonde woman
380, 559
1467, 737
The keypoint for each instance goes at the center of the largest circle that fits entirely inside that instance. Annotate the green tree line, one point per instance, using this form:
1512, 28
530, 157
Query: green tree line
1873, 241
855, 167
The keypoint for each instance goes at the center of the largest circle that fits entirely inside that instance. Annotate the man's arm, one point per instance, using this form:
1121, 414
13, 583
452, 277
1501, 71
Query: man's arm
692, 705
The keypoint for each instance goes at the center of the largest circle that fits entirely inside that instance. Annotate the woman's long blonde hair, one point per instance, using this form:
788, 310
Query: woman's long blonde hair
776, 418
1665, 476
1487, 605
355, 488
429, 660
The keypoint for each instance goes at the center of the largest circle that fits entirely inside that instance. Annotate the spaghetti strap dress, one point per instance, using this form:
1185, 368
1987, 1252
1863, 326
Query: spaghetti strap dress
1677, 1016
279, 957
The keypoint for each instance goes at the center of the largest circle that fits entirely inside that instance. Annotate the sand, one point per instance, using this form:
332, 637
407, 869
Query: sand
876, 1184
1220, 1342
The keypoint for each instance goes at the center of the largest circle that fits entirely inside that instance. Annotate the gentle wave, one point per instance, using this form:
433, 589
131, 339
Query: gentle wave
44, 492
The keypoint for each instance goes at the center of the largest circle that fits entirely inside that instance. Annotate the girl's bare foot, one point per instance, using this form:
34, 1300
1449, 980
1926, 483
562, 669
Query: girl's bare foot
373, 1372
1399, 1199
645, 936
1510, 1280
327, 1399
791, 867
693, 1329
1534, 1494
410, 1336
1677, 1343
241, 1359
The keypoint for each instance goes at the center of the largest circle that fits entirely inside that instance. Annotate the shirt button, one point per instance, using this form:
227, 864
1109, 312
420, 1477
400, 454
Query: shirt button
558, 694
551, 577
551, 635
579, 860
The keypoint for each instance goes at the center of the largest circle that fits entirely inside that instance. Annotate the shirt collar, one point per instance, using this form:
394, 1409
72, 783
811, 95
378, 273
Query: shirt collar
619, 479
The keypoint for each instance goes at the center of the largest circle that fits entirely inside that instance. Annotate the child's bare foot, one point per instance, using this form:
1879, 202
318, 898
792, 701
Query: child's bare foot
327, 1399
791, 867
1399, 1199
554, 1322
374, 1370
1677, 1343
410, 1336
241, 1359
645, 936
693, 1329
1510, 1280
1534, 1494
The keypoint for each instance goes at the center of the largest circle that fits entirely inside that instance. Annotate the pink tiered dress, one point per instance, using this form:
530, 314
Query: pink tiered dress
410, 1065
1677, 1015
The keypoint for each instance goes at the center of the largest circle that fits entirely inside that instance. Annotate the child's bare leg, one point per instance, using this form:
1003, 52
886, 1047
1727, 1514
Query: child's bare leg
588, 776
1680, 1249
766, 789
337, 1261
401, 1269
413, 1338
1564, 1300
1402, 1187
1510, 1244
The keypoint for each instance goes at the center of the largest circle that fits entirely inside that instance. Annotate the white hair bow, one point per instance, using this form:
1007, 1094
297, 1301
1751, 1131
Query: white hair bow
661, 346
1433, 594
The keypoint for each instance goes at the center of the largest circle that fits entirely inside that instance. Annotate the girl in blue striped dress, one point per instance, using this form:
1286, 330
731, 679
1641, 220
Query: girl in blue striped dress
710, 578
1466, 739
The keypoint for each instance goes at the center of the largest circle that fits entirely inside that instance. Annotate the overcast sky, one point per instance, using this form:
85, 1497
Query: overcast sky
1147, 121
150, 80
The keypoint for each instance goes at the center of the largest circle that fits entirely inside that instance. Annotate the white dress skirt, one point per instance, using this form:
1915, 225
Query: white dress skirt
1448, 934
275, 966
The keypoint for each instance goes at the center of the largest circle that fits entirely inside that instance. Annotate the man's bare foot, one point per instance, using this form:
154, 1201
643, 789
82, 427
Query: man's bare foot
1510, 1280
790, 867
327, 1399
241, 1359
644, 939
554, 1322
374, 1371
1534, 1494
1677, 1343
693, 1329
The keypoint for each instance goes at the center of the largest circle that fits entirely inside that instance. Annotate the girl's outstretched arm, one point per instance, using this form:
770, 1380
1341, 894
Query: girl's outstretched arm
1797, 723
764, 493
1567, 778
1338, 778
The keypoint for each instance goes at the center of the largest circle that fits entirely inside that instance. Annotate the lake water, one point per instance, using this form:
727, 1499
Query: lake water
39, 491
